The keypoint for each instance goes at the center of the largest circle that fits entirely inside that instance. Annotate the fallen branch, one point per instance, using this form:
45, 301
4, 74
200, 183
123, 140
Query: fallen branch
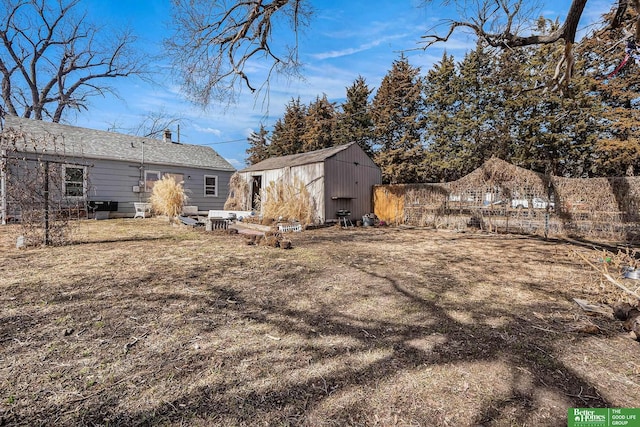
545, 329
593, 308
128, 345
609, 277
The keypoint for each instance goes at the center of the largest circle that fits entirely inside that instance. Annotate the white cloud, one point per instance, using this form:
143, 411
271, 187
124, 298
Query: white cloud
208, 130
350, 51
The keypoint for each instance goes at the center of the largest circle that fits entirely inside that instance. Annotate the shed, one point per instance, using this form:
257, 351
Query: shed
111, 171
339, 178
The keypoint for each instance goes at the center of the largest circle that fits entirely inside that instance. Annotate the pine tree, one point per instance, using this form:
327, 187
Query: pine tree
354, 124
617, 149
258, 146
491, 102
397, 116
287, 134
442, 134
547, 131
320, 125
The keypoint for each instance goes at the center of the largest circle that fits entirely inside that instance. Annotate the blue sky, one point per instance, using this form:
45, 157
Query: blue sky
345, 39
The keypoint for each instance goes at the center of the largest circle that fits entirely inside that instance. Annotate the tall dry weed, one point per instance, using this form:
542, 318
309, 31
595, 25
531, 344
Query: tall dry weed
168, 197
238, 190
289, 201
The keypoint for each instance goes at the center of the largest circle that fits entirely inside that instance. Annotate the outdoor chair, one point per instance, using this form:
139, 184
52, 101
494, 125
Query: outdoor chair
143, 210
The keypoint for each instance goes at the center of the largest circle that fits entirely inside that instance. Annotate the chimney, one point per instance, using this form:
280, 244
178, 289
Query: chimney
166, 136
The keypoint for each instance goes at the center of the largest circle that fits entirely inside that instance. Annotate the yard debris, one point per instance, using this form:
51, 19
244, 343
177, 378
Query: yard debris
271, 240
604, 269
286, 244
627, 306
588, 328
594, 308
130, 344
630, 315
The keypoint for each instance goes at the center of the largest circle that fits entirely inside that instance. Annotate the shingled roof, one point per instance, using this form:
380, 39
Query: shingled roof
297, 159
72, 141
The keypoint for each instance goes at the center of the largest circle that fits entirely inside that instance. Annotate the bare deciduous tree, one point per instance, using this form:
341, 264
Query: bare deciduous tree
215, 42
151, 125
501, 23
52, 59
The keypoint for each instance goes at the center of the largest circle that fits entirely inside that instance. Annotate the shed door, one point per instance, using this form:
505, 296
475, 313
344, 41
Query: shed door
255, 192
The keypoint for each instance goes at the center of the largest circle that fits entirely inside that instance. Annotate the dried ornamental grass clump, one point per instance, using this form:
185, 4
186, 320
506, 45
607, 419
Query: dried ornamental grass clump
288, 201
168, 197
238, 191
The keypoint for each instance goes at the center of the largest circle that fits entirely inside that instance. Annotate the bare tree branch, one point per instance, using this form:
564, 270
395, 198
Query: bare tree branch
217, 46
53, 59
498, 23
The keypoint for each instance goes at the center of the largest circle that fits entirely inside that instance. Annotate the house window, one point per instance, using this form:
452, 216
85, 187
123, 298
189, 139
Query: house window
74, 180
211, 185
150, 178
177, 177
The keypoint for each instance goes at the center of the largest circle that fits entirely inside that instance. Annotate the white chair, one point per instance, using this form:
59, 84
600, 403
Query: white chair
142, 210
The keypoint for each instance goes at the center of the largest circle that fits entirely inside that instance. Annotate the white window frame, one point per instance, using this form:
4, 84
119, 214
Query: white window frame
208, 186
149, 172
65, 181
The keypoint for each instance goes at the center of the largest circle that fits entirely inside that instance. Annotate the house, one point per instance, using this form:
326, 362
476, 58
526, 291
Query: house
339, 178
108, 171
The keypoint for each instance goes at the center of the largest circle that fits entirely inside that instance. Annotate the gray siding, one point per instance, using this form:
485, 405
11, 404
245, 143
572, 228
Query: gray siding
114, 162
338, 178
350, 176
110, 180
114, 181
311, 174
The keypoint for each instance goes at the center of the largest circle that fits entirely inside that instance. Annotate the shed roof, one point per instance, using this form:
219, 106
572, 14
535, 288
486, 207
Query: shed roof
80, 142
299, 159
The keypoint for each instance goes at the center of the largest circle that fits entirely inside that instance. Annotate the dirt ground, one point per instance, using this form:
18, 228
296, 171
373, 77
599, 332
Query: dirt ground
143, 323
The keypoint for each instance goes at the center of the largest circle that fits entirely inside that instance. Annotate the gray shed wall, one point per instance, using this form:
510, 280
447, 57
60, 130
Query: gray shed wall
349, 179
343, 181
312, 175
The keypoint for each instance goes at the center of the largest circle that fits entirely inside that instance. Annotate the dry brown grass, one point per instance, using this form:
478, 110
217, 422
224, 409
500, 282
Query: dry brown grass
143, 323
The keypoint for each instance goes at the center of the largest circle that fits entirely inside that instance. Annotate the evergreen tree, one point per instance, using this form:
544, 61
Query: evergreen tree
354, 124
320, 125
617, 149
442, 105
288, 132
552, 132
397, 114
258, 146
